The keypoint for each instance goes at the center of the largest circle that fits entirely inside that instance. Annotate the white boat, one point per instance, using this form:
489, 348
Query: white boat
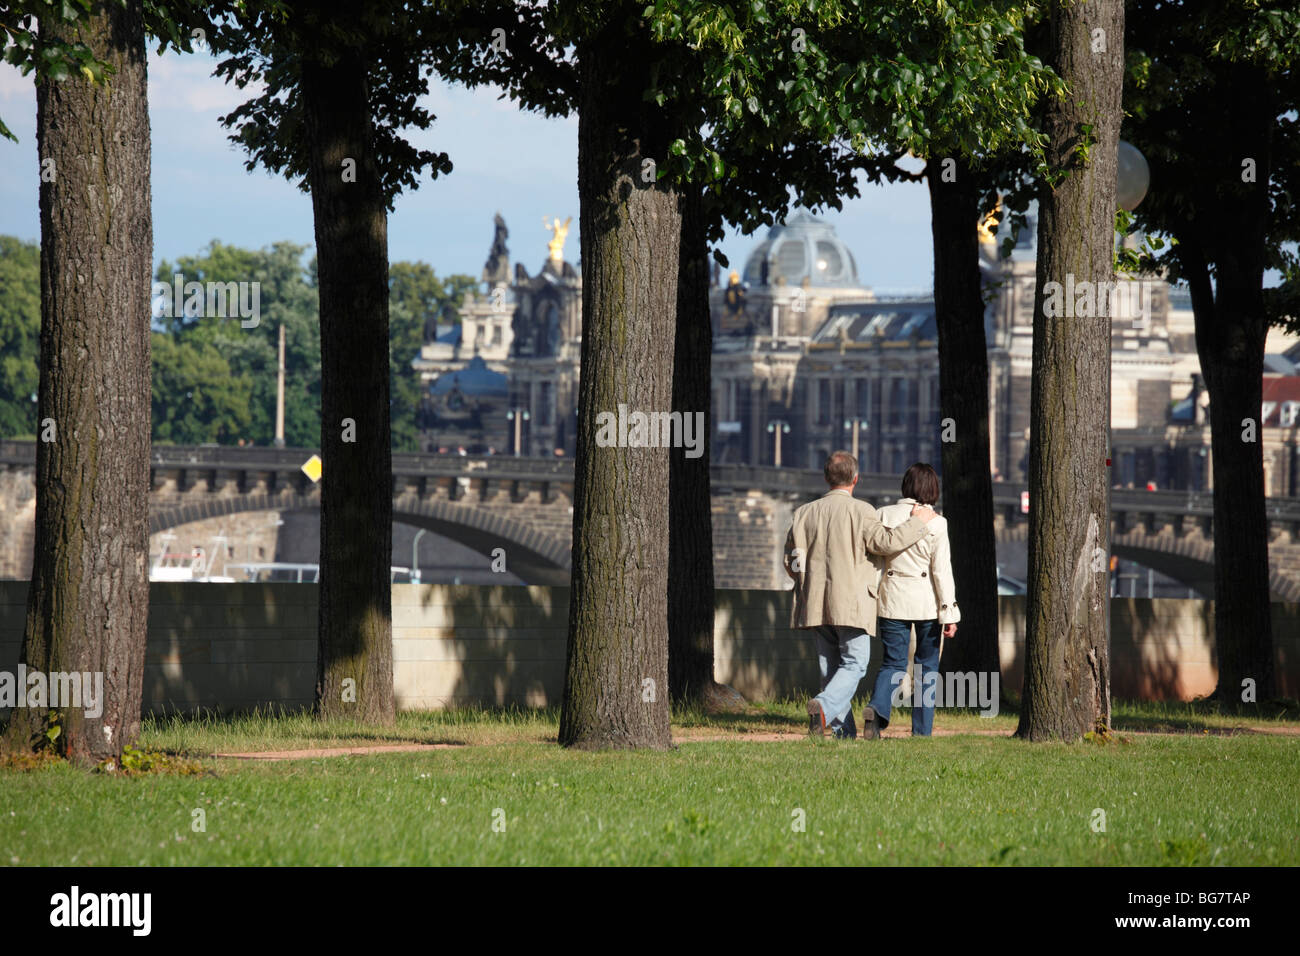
291, 573
178, 566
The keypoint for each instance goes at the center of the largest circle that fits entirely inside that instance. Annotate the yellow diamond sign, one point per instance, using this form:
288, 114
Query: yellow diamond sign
312, 468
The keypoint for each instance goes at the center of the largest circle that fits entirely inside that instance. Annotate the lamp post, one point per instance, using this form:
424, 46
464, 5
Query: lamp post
1132, 179
415, 555
518, 416
854, 426
279, 394
776, 428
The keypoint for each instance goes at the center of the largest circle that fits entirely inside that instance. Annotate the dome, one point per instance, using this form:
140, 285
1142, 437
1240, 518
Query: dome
803, 247
472, 381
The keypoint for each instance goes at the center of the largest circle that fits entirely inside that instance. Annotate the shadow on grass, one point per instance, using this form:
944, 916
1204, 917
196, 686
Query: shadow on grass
1201, 716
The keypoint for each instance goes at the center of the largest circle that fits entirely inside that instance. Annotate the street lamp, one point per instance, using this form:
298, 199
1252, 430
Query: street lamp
1133, 178
855, 425
518, 416
776, 428
415, 555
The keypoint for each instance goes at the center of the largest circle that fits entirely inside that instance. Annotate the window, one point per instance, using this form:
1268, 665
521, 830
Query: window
830, 265
791, 259
546, 405
899, 396
823, 401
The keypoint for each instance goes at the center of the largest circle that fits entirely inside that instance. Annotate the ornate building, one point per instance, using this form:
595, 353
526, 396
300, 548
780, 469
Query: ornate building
807, 359
510, 367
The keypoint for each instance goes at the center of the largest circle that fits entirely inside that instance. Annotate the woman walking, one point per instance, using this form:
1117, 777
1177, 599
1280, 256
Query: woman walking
916, 591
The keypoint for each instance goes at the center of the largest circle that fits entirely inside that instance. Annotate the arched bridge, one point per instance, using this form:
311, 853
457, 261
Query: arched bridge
524, 505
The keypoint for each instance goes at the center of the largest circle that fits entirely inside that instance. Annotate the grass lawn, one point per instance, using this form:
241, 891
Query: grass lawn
1200, 796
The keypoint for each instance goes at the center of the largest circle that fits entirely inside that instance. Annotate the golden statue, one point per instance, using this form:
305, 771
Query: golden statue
988, 227
560, 230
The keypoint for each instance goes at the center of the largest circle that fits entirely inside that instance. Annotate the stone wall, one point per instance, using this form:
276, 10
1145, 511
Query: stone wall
17, 523
232, 647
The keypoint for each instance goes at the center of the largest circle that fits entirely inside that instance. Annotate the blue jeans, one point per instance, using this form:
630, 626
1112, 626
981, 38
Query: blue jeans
842, 655
894, 637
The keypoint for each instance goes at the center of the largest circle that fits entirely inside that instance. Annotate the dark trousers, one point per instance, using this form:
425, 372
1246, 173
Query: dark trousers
894, 637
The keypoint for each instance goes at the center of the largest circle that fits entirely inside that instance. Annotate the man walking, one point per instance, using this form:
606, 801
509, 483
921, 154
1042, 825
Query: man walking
826, 554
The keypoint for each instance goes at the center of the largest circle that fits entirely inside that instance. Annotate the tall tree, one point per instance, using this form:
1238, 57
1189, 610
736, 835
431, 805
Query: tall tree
287, 297
196, 397
616, 673
1067, 644
87, 606
690, 503
955, 201
340, 86
600, 60
1214, 92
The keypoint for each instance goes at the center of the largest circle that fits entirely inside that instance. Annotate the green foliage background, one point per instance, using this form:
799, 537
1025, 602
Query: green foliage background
213, 379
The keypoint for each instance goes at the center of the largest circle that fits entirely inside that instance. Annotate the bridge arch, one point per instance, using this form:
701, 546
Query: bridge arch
1187, 559
532, 555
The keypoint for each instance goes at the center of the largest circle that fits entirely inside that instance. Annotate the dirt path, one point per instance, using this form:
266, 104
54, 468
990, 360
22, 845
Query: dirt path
335, 752
708, 735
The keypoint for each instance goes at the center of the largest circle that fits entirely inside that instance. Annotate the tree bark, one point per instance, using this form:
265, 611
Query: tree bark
964, 398
616, 673
690, 531
355, 640
88, 604
1067, 646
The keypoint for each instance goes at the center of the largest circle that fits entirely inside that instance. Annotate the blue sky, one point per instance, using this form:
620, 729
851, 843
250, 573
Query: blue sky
520, 164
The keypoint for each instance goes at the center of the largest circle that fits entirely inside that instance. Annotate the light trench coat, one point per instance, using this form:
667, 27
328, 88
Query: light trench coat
916, 584
826, 554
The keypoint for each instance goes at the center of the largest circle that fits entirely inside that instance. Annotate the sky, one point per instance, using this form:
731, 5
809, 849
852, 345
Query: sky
519, 164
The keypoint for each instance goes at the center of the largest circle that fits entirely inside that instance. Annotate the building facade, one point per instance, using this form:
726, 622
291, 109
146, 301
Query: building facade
807, 359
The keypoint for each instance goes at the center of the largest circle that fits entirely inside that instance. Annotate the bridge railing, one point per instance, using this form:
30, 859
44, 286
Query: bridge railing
723, 477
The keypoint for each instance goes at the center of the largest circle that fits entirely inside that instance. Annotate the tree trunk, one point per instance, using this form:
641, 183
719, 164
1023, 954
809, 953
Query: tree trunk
616, 674
690, 530
354, 671
1067, 646
88, 604
1231, 328
964, 399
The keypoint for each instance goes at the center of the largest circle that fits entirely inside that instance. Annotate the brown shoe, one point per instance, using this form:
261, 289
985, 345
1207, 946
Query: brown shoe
816, 719
870, 724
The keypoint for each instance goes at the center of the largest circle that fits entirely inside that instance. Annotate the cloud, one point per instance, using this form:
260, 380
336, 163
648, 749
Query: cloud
15, 88
522, 164
184, 83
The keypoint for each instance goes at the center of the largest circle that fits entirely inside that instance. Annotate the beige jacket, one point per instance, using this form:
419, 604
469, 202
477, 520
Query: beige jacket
826, 556
916, 584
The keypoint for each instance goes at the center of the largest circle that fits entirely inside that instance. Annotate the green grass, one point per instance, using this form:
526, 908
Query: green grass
1190, 798
299, 731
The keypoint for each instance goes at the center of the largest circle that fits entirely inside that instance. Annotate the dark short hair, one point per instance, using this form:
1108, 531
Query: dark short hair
921, 483
840, 468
